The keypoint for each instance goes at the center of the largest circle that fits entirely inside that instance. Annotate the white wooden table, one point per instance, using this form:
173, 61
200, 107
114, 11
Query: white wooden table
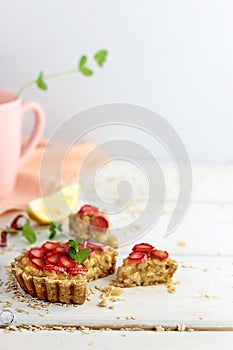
203, 301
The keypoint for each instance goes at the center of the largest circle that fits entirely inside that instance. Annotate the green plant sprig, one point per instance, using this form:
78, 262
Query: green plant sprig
83, 67
78, 255
29, 232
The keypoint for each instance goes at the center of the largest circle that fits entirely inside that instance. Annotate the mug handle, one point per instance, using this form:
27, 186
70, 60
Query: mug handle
34, 139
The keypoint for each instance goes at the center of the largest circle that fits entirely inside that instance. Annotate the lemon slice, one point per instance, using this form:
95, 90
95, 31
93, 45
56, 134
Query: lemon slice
55, 207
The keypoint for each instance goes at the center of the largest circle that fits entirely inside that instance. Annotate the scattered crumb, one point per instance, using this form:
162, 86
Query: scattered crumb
71, 329
190, 329
93, 290
181, 328
124, 334
206, 269
182, 244
111, 307
113, 299
7, 304
118, 317
91, 342
187, 266
130, 317
171, 288
207, 296
22, 311
103, 302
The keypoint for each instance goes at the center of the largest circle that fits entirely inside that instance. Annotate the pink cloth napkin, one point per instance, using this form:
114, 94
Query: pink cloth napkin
31, 180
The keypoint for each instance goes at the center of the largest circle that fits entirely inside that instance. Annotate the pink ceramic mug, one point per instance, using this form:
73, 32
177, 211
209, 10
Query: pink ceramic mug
12, 153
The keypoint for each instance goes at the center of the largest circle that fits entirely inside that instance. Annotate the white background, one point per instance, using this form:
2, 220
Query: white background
172, 56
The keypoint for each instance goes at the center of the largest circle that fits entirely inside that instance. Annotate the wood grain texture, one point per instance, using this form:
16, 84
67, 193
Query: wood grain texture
203, 247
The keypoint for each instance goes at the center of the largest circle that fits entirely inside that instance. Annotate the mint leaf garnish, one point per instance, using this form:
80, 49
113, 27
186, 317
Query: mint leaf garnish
53, 228
78, 255
100, 57
40, 81
28, 232
82, 255
72, 252
75, 244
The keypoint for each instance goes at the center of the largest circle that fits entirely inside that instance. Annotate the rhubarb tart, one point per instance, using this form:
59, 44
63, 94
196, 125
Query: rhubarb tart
91, 224
145, 266
58, 272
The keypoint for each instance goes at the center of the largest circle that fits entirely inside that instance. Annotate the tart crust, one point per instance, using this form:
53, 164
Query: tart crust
50, 286
61, 286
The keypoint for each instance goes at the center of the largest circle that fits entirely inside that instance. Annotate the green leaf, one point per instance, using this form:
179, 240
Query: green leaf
86, 71
75, 244
53, 230
82, 62
100, 57
82, 255
72, 252
28, 232
40, 81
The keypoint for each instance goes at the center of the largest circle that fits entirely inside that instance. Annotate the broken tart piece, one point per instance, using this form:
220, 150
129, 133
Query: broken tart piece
90, 224
145, 266
59, 272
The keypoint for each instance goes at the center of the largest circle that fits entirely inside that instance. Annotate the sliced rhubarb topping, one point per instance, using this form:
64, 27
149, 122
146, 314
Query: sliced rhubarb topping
159, 254
54, 256
77, 270
36, 253
3, 243
95, 245
88, 210
52, 259
67, 262
92, 252
60, 250
99, 223
50, 245
54, 268
38, 262
18, 222
143, 247
83, 246
137, 257
67, 247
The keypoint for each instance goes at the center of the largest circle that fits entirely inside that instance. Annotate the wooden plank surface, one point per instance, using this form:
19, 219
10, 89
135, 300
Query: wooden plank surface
116, 340
203, 247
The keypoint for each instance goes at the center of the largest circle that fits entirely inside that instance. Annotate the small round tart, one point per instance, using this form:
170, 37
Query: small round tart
146, 266
54, 271
92, 225
48, 273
